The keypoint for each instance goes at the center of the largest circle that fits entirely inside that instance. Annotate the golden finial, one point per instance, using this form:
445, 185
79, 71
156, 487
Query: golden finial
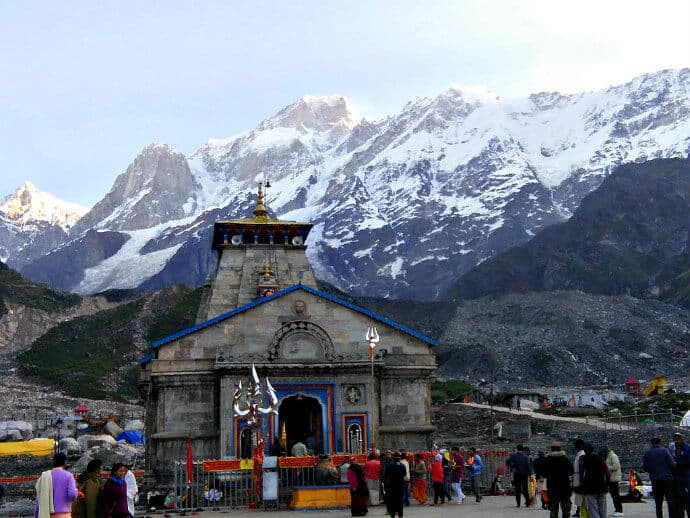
267, 271
260, 210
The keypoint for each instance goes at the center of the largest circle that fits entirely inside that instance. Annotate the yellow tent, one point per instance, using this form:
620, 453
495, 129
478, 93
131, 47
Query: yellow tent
36, 447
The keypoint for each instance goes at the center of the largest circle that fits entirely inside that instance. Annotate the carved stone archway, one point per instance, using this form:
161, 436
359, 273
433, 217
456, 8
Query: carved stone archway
301, 341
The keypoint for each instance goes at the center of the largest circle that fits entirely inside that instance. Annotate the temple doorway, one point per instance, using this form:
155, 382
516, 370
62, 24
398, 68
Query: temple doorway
303, 418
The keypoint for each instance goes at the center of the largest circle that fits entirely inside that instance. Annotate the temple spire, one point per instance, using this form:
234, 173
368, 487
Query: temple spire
260, 211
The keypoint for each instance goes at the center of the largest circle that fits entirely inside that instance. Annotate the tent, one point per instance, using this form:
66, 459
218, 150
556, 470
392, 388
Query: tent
36, 447
132, 437
685, 421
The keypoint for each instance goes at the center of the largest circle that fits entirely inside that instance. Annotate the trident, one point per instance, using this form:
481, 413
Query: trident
373, 339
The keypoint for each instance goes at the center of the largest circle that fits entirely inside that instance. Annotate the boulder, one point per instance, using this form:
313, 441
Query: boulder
134, 425
69, 445
16, 430
89, 441
112, 428
109, 455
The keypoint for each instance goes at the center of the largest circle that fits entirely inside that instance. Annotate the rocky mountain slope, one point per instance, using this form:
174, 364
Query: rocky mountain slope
564, 338
630, 236
401, 205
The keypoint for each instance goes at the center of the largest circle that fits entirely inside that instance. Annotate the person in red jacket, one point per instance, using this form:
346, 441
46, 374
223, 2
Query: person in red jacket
437, 479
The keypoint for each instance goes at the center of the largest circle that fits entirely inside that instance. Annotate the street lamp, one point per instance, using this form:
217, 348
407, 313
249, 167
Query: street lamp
373, 339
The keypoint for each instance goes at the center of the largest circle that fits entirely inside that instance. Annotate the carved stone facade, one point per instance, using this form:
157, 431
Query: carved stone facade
310, 345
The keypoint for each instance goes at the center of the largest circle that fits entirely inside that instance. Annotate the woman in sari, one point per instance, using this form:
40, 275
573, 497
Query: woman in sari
359, 492
420, 484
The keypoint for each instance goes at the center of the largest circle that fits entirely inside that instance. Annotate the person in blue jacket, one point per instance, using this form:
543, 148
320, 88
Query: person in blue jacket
475, 466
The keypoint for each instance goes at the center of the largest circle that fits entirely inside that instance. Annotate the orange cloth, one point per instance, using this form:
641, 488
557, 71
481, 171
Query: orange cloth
419, 491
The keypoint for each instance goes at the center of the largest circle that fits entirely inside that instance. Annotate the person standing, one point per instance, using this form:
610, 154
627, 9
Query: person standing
419, 486
594, 482
385, 462
299, 449
115, 493
458, 466
578, 499
359, 492
394, 481
475, 465
56, 490
538, 465
681, 456
406, 486
373, 472
89, 483
659, 464
519, 465
558, 471
614, 465
437, 480
132, 490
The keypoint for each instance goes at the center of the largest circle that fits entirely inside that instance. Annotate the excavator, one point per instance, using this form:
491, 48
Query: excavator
658, 386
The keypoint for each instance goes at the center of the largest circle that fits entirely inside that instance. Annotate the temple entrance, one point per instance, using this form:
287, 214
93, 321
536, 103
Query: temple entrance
303, 418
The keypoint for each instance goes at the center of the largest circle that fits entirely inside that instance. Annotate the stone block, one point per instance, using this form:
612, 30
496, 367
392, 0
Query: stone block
112, 428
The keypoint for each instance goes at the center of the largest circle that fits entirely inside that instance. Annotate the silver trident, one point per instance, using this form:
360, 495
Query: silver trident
373, 339
247, 403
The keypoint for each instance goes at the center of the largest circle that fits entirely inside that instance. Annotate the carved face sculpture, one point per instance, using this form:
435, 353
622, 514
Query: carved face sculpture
353, 394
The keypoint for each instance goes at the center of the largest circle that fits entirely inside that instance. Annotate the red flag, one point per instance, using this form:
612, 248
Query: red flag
190, 461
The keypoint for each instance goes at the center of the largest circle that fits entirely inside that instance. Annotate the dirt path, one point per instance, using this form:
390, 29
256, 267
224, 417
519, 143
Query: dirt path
590, 421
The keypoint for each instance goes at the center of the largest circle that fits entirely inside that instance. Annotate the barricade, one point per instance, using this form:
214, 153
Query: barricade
230, 484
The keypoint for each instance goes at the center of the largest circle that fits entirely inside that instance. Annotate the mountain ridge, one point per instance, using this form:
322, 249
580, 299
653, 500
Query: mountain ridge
443, 185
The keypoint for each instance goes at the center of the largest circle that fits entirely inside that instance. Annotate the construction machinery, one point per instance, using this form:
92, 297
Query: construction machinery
658, 386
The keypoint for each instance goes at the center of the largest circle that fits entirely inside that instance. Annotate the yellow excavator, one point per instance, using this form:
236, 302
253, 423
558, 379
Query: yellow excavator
658, 386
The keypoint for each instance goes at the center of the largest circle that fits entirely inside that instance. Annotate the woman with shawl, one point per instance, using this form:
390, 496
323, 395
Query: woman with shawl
419, 487
359, 492
115, 493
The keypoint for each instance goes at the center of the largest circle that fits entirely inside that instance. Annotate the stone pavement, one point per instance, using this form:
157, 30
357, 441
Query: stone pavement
490, 507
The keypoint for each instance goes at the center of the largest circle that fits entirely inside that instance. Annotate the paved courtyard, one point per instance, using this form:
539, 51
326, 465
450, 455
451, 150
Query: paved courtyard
490, 507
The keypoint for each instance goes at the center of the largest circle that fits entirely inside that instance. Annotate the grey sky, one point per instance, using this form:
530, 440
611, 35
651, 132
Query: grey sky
85, 85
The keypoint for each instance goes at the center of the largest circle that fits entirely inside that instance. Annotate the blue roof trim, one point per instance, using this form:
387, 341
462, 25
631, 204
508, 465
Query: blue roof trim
281, 293
145, 359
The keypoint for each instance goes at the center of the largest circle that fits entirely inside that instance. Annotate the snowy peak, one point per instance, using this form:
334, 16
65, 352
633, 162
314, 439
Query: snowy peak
323, 113
30, 205
156, 187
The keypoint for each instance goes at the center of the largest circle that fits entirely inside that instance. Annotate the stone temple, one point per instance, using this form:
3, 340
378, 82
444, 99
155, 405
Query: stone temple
263, 307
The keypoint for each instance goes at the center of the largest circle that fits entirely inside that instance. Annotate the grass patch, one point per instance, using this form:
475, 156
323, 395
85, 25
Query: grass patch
442, 391
78, 355
15, 288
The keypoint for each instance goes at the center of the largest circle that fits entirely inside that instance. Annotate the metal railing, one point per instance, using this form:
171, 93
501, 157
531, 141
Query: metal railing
639, 420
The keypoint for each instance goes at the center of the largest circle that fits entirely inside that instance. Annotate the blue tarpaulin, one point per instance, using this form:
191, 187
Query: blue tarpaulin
131, 437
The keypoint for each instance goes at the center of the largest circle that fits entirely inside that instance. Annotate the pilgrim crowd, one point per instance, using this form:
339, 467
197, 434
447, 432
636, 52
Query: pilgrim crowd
394, 478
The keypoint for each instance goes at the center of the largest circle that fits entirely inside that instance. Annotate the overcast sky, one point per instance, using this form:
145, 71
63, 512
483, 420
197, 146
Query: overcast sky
84, 86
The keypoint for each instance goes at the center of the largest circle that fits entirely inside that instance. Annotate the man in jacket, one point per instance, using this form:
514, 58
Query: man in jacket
558, 469
659, 464
614, 465
520, 466
681, 456
594, 482
578, 499
458, 463
475, 466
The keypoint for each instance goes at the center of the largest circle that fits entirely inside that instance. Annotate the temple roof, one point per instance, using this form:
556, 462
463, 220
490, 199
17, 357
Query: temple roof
278, 294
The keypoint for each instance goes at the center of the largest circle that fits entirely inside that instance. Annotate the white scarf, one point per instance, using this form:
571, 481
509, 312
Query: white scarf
44, 492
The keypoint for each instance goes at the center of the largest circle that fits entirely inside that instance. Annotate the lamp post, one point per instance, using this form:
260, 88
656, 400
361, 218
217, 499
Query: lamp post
373, 339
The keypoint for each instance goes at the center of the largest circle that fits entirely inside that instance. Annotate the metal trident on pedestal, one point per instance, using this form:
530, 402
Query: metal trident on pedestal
373, 339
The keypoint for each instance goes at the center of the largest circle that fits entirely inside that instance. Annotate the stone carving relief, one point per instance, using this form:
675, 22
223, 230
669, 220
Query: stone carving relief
302, 341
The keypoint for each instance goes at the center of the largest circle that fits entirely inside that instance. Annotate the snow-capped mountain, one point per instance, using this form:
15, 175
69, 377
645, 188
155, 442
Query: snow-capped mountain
33, 222
402, 206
